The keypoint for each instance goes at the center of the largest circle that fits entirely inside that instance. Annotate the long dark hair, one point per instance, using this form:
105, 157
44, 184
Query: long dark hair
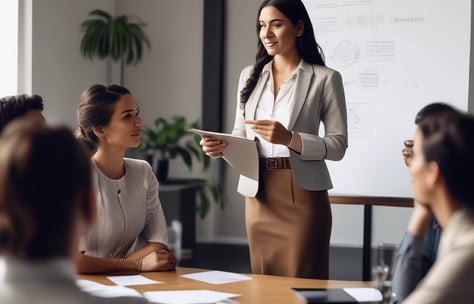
306, 44
96, 107
448, 140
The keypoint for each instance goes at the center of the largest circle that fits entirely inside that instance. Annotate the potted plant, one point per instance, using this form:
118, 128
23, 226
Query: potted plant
117, 38
167, 140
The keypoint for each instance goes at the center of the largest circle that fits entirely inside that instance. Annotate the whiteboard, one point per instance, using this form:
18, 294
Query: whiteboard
395, 56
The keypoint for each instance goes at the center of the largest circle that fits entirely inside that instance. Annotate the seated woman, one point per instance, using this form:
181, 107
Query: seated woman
131, 232
442, 169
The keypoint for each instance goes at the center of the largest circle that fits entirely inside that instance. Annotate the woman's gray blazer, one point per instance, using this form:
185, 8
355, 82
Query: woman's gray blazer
319, 97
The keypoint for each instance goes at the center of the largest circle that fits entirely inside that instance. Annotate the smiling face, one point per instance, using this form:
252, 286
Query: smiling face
125, 125
277, 33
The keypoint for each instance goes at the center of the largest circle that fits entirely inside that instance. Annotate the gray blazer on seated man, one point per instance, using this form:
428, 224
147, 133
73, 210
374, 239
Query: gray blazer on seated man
46, 203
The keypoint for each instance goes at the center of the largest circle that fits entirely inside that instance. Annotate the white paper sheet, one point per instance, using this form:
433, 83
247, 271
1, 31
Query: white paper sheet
188, 296
130, 280
217, 277
247, 187
106, 291
242, 155
364, 294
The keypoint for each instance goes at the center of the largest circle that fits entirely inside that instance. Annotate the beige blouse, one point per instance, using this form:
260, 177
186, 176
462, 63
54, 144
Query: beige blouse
129, 212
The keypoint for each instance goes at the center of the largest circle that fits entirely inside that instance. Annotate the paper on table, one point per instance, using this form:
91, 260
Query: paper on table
106, 291
187, 296
338, 295
364, 294
129, 280
242, 155
217, 277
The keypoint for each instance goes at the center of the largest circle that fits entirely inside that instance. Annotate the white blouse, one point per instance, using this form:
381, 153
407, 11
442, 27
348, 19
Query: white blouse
277, 108
129, 213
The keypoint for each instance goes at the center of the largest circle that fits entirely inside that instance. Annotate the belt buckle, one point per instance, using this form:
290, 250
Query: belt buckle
272, 163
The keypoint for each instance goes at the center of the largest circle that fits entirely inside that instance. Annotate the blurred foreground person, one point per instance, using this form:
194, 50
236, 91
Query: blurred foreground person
442, 170
46, 204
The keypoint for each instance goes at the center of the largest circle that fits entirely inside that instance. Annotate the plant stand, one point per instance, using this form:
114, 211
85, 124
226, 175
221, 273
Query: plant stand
178, 199
160, 167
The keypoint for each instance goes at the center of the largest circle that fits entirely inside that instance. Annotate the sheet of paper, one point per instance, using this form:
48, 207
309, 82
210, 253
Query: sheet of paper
187, 296
364, 294
106, 291
247, 187
130, 280
242, 155
217, 277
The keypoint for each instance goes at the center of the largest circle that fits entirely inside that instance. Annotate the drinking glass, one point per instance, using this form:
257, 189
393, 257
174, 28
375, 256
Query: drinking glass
175, 238
382, 270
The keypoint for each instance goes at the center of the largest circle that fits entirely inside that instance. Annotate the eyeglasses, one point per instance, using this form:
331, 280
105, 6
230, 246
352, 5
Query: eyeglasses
408, 143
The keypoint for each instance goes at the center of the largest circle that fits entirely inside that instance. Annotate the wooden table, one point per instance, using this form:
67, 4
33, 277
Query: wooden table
260, 290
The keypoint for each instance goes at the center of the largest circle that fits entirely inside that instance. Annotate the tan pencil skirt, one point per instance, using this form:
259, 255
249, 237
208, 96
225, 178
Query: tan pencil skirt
288, 228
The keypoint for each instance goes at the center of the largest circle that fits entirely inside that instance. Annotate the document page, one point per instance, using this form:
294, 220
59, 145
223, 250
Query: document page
130, 280
242, 155
217, 277
188, 296
106, 291
339, 295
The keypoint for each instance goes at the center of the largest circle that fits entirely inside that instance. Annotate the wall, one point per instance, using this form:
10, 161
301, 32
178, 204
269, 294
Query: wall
59, 73
168, 82
239, 51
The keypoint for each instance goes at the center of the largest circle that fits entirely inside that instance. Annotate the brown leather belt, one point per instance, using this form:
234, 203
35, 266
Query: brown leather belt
272, 163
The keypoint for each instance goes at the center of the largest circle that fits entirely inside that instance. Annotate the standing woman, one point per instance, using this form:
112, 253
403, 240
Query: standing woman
283, 99
131, 233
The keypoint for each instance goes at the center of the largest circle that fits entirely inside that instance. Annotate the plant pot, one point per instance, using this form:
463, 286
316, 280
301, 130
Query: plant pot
160, 166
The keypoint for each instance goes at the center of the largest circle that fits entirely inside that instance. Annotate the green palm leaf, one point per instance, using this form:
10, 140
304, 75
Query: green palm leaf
106, 36
100, 13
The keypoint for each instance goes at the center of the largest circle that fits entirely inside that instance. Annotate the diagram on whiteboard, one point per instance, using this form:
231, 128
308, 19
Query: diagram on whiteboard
395, 56
346, 54
357, 118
